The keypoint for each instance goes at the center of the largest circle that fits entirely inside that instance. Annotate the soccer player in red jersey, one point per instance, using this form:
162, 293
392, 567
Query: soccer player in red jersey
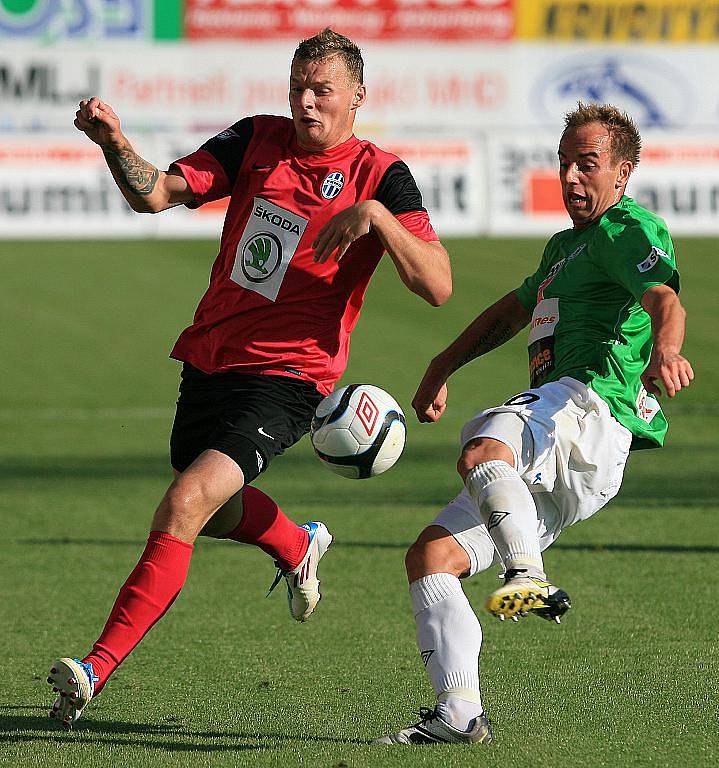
312, 210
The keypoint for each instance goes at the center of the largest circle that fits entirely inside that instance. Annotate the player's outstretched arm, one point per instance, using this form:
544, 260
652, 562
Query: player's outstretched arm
495, 326
146, 189
423, 267
666, 364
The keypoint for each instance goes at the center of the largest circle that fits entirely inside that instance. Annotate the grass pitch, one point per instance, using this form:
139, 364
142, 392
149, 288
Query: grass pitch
227, 678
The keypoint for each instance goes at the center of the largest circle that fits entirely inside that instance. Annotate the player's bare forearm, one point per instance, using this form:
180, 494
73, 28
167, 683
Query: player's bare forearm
495, 326
666, 363
136, 178
422, 266
489, 330
145, 187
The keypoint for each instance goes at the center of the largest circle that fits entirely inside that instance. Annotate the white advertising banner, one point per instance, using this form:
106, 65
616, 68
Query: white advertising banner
61, 187
440, 87
677, 178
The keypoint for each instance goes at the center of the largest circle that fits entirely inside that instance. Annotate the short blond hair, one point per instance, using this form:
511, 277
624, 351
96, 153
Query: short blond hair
623, 132
328, 43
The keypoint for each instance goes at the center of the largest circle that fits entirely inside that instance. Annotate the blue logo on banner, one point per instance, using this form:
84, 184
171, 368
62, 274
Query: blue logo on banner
51, 20
332, 185
648, 89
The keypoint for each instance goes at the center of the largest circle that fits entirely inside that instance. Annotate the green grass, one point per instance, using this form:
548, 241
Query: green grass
629, 679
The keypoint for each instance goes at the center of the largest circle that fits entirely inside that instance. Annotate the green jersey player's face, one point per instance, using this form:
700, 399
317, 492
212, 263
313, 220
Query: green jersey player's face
323, 100
592, 179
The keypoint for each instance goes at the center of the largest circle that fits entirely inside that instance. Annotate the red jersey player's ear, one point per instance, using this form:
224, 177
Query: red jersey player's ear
359, 97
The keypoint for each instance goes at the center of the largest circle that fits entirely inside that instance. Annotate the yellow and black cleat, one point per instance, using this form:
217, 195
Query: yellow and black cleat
521, 595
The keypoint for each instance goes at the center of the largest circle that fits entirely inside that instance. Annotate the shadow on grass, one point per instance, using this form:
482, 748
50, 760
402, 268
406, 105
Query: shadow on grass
85, 467
402, 545
14, 729
643, 488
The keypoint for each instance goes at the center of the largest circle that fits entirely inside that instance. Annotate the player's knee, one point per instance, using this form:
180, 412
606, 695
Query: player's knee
435, 551
481, 450
182, 501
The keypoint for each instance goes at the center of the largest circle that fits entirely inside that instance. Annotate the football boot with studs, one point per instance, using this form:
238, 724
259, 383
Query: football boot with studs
432, 729
74, 683
521, 595
303, 586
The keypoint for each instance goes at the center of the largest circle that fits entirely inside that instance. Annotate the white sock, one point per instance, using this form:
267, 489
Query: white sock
507, 508
449, 638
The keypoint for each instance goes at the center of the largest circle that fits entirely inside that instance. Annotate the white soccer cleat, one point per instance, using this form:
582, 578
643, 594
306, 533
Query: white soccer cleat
74, 682
432, 729
303, 586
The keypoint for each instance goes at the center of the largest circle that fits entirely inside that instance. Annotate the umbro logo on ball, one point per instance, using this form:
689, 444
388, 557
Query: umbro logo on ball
332, 185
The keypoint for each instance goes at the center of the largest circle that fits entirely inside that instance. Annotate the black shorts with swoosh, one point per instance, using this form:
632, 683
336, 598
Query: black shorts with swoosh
249, 417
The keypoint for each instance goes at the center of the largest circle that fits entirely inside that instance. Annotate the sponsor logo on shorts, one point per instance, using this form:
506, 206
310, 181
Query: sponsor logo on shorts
227, 134
652, 259
263, 433
260, 461
426, 656
332, 185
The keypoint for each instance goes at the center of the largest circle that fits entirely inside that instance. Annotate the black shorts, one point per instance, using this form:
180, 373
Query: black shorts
250, 418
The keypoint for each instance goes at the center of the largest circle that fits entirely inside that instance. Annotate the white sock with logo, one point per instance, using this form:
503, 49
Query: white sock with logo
507, 508
449, 638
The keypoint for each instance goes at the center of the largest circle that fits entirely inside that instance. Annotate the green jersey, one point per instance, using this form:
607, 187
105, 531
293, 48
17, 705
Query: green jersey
587, 319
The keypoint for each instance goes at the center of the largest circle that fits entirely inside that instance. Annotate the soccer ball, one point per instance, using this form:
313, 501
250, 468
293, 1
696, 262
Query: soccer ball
358, 431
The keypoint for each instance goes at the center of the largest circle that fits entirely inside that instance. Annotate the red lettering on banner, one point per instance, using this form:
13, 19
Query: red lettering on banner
171, 90
484, 90
361, 19
260, 93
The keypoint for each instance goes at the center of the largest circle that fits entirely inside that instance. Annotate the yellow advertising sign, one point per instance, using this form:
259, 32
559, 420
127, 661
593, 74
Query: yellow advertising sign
618, 20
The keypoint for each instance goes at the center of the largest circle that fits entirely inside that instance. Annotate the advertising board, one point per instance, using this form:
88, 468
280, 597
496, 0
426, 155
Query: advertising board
460, 87
69, 191
360, 19
677, 178
49, 21
618, 21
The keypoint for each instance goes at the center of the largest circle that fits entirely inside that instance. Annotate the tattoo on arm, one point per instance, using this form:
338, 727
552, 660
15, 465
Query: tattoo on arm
496, 335
131, 171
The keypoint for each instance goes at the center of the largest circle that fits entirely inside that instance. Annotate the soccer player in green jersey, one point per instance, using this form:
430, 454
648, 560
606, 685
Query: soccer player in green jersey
606, 328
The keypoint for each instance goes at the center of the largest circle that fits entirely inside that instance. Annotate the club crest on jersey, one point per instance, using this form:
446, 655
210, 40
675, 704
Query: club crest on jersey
261, 256
332, 185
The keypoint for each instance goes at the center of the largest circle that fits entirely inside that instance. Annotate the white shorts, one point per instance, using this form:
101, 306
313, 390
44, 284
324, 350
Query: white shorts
568, 449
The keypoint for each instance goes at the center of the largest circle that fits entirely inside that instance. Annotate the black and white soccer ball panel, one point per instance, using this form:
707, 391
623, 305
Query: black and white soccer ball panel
359, 431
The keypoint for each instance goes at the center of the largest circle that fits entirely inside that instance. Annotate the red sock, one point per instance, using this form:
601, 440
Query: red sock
145, 597
266, 525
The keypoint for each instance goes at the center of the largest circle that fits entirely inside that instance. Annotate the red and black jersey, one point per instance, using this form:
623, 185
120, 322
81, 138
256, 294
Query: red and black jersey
269, 307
